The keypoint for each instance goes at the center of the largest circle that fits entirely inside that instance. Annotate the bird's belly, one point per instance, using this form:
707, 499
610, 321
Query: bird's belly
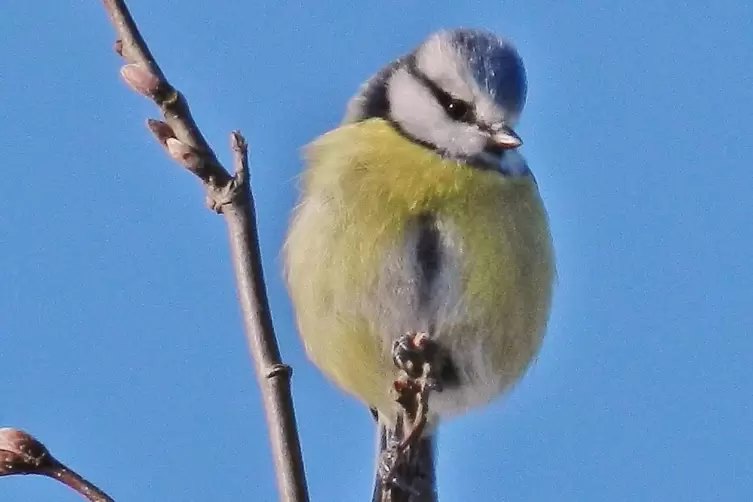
357, 265
481, 302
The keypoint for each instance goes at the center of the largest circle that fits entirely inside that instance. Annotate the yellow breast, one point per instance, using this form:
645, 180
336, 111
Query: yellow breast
348, 263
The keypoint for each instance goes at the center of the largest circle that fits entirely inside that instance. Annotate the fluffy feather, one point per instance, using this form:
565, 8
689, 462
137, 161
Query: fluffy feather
354, 278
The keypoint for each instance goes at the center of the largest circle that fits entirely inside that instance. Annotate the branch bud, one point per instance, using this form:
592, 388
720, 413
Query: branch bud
161, 130
21, 453
179, 150
140, 79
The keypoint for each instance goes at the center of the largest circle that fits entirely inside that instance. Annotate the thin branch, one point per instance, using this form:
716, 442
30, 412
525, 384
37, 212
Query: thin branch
21, 453
131, 46
406, 464
229, 195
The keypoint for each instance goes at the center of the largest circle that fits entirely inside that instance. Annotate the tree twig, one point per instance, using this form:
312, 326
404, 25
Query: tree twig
407, 470
21, 453
229, 195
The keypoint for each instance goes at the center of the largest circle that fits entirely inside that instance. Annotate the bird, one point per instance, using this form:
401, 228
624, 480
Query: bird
418, 213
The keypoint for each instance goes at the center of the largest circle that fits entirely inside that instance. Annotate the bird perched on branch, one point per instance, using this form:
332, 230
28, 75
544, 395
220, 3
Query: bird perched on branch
418, 214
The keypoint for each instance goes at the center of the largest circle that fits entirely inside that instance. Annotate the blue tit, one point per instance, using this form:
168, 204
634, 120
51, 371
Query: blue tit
419, 214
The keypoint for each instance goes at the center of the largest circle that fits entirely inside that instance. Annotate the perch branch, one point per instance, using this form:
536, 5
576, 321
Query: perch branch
407, 466
231, 196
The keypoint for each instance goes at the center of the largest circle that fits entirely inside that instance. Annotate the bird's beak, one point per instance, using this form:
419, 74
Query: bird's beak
505, 138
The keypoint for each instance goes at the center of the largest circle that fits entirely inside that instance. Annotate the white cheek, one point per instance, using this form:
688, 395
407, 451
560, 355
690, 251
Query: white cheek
417, 112
412, 105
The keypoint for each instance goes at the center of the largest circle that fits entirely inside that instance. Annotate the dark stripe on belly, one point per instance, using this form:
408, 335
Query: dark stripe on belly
428, 257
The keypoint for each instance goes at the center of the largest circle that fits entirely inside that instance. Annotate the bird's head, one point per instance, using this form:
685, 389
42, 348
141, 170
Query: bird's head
460, 92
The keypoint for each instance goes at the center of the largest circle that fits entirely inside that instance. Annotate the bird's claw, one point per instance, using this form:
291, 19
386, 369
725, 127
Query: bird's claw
409, 352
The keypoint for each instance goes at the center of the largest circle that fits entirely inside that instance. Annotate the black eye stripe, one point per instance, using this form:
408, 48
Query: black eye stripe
457, 109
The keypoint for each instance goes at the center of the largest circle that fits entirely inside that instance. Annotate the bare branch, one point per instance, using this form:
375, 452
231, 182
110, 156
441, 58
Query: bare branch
406, 464
21, 453
229, 195
133, 49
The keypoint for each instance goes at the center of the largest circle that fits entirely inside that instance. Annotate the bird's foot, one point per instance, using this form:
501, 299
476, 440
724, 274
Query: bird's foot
407, 353
420, 360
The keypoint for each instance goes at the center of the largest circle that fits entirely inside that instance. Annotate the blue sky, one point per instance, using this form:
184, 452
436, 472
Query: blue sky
120, 338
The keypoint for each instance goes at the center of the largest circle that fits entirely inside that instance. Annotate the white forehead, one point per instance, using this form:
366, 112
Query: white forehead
445, 64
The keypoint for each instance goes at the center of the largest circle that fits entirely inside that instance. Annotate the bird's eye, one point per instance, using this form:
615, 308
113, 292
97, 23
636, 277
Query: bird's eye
459, 110
456, 109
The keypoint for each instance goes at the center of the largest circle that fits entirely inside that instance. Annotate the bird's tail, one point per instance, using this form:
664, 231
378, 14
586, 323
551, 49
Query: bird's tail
406, 477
